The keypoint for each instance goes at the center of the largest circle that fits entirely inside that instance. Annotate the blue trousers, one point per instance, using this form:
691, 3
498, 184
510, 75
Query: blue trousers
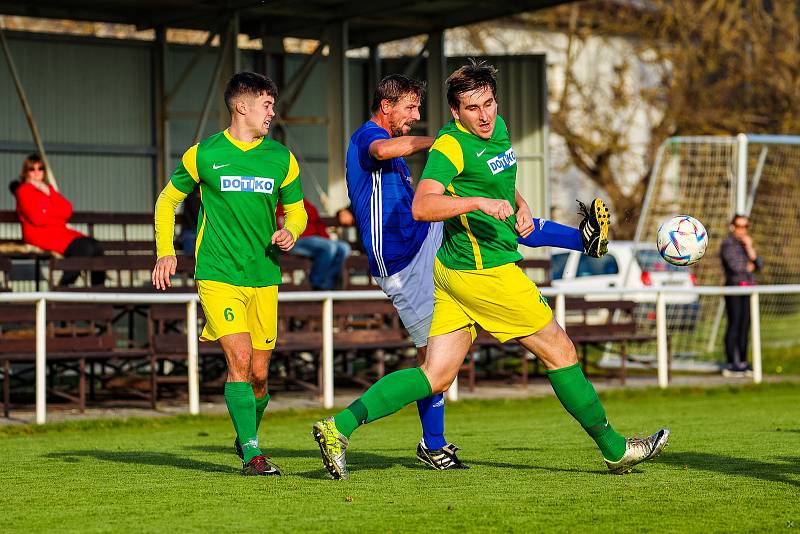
327, 257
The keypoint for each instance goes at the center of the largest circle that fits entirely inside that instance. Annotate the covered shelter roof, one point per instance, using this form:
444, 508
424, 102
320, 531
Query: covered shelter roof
369, 23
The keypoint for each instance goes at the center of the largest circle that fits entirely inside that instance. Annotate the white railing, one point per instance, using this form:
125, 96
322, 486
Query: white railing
327, 298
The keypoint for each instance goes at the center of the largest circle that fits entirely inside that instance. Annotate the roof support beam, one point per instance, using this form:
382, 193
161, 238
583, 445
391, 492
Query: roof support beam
437, 108
26, 107
338, 113
160, 116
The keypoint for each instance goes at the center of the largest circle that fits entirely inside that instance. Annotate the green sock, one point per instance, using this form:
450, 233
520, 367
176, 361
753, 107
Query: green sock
580, 399
242, 408
385, 397
261, 406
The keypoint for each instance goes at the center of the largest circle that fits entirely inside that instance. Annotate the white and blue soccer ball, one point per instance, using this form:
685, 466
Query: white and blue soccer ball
682, 240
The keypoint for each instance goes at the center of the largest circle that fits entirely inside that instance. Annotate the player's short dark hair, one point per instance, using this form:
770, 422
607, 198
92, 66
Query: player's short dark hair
471, 77
394, 87
248, 83
739, 216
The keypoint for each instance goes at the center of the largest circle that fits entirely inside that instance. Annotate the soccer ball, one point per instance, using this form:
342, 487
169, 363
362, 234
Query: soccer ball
682, 240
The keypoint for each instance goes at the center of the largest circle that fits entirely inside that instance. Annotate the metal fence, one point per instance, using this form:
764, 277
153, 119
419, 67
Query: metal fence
40, 299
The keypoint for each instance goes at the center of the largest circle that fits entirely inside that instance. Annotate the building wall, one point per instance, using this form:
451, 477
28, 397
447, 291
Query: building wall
93, 102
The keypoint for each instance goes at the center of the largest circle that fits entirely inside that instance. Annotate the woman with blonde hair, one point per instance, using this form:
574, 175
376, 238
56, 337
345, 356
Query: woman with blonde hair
43, 214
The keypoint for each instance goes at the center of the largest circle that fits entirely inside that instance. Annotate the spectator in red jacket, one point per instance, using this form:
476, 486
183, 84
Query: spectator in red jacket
327, 255
43, 214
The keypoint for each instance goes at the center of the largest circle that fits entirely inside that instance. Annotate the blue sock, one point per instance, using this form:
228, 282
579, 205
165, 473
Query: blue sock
431, 415
550, 234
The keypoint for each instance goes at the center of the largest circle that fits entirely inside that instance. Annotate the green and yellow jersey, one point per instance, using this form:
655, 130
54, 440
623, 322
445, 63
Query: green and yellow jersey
240, 186
469, 166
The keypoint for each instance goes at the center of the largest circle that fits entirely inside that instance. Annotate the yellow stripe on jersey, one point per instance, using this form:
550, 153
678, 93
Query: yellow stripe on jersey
293, 172
476, 250
242, 145
447, 145
189, 161
202, 227
461, 127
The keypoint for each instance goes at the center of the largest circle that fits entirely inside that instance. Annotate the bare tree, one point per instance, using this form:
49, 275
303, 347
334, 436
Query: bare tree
689, 67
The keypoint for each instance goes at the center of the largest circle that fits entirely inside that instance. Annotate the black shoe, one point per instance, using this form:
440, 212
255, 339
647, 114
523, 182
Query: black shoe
237, 447
594, 227
260, 466
440, 459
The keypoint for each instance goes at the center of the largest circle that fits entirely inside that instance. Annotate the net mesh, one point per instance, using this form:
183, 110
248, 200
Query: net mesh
697, 176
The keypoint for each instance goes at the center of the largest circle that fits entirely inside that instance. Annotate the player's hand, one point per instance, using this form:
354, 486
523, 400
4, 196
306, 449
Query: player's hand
165, 267
524, 224
499, 209
284, 239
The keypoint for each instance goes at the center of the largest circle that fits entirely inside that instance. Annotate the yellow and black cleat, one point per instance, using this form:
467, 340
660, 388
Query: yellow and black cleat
594, 227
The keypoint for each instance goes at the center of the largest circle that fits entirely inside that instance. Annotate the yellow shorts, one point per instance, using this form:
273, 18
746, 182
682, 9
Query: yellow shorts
233, 309
501, 300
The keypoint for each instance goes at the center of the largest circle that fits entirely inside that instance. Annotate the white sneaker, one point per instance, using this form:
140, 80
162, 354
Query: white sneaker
638, 450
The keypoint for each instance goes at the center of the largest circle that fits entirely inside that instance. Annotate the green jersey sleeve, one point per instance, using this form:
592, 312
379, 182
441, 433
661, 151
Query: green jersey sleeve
291, 190
185, 177
445, 160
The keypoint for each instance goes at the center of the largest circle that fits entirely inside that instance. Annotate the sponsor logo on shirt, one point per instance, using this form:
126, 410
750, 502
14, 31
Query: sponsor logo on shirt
247, 184
502, 161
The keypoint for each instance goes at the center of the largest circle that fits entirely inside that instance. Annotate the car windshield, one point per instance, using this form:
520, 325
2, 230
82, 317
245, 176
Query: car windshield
588, 266
557, 264
651, 261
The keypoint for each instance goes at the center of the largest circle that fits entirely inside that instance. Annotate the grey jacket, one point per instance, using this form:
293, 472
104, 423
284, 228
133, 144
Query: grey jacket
734, 262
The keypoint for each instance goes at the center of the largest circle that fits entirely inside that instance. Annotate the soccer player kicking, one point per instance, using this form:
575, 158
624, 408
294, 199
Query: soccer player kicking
401, 250
242, 176
469, 182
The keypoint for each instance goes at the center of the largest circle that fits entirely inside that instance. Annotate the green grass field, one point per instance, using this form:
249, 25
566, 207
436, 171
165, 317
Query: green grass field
733, 464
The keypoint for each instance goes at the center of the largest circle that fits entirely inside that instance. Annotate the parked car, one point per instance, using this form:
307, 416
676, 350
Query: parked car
629, 265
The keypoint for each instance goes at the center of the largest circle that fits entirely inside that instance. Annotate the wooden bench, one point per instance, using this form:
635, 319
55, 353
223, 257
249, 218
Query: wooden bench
597, 322
123, 273
167, 342
76, 334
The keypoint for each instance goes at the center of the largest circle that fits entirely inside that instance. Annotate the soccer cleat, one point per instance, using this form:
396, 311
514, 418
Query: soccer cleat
594, 227
332, 446
638, 450
440, 459
260, 466
237, 448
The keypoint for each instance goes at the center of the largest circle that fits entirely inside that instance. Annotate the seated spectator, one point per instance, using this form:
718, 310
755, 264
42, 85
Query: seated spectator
349, 230
43, 214
327, 256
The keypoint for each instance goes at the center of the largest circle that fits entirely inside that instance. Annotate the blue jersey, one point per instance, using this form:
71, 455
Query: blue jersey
380, 198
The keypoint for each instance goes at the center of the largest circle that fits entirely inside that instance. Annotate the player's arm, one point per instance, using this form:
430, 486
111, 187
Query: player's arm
291, 196
431, 205
180, 184
399, 147
293, 226
445, 162
524, 224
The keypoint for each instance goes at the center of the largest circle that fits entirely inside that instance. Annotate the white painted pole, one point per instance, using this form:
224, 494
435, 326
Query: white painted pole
452, 393
755, 325
327, 352
741, 174
41, 361
561, 311
193, 365
661, 337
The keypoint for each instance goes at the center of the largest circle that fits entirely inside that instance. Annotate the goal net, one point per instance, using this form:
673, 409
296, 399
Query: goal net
705, 177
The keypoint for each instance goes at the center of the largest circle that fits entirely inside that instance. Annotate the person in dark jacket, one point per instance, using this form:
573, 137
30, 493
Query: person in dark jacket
43, 214
740, 263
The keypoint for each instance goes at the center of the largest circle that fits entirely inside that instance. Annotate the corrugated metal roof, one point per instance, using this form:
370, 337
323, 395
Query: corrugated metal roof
376, 21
